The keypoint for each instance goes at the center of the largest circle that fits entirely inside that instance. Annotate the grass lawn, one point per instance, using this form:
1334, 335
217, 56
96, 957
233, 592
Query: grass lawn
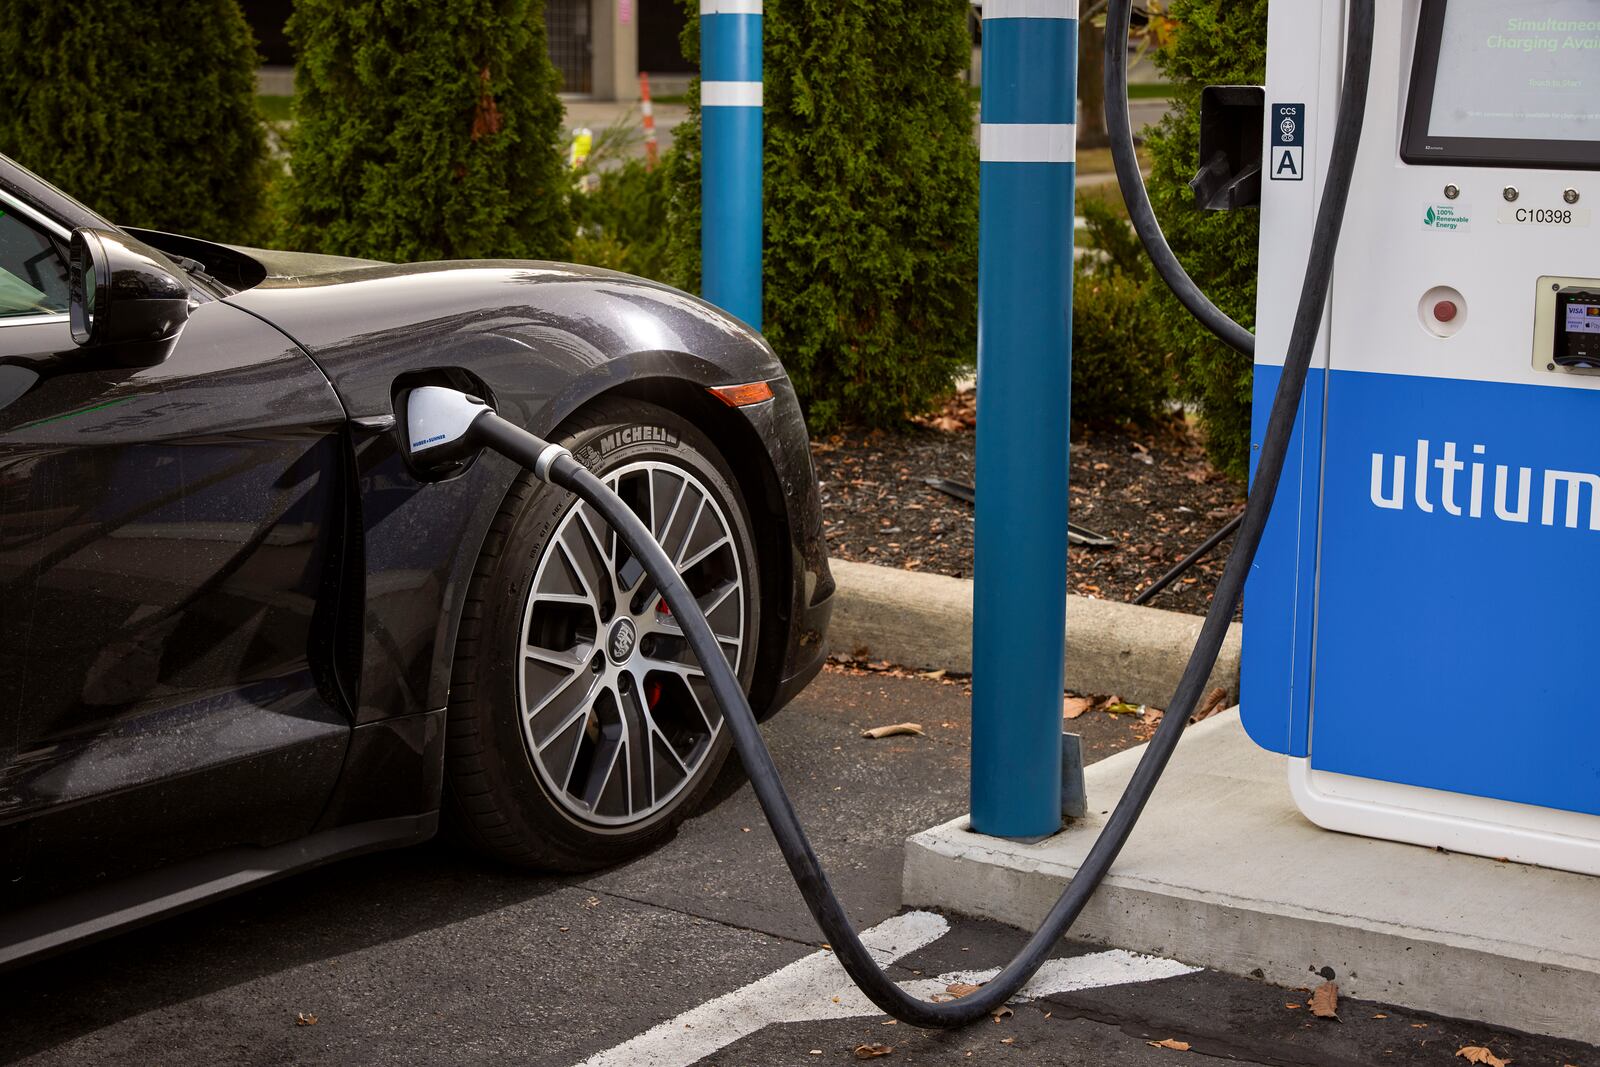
275, 108
1150, 91
1098, 160
1137, 91
1108, 193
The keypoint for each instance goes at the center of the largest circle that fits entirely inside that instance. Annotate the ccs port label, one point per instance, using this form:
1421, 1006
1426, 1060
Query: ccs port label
1563, 216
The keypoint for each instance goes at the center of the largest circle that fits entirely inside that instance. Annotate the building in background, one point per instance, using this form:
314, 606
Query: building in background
599, 46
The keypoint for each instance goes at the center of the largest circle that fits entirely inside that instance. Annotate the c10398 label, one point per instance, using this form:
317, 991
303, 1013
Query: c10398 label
1512, 215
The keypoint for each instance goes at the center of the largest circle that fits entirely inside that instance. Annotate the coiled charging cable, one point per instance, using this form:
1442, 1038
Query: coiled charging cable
471, 424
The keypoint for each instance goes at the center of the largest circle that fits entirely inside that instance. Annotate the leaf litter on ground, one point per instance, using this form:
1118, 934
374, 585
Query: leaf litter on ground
899, 729
1171, 1043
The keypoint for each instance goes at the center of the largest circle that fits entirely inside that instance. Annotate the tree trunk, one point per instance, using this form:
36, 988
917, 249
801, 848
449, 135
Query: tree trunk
1091, 86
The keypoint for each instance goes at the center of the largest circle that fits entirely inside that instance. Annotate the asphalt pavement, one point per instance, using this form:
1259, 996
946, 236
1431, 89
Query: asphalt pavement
432, 956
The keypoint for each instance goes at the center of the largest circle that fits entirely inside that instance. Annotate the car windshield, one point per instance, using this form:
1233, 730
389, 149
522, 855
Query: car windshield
33, 269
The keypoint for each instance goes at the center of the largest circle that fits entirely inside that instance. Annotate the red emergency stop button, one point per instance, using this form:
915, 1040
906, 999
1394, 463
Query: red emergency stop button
1445, 311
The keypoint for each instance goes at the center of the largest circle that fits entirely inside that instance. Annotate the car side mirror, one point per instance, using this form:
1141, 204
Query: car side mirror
125, 298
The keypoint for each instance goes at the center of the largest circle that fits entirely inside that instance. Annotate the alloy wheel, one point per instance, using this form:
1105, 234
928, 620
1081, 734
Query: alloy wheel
617, 715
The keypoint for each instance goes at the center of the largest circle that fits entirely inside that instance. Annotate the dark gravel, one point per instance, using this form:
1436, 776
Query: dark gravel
1152, 490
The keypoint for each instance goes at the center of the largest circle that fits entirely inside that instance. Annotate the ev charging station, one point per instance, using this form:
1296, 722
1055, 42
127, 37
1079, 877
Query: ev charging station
1417, 617
1417, 537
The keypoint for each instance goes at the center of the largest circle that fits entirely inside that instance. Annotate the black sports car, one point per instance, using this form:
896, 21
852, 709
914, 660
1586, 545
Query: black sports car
241, 636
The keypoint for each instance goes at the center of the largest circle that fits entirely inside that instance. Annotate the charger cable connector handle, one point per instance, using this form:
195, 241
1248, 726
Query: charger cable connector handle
446, 425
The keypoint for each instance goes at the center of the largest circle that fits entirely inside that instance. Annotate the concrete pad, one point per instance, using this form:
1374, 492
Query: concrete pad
925, 620
1224, 872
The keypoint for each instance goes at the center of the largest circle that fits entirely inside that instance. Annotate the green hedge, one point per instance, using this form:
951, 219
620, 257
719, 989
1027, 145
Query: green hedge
1218, 42
871, 202
1119, 371
1120, 368
426, 131
143, 109
622, 223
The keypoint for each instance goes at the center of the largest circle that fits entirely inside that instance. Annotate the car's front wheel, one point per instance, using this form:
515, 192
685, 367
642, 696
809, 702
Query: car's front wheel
581, 728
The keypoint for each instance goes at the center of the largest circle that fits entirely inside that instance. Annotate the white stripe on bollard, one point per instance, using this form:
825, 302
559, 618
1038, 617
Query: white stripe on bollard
1011, 9
730, 94
1028, 142
730, 7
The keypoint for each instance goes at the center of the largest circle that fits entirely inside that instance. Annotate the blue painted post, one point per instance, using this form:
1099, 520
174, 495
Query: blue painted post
1027, 148
730, 177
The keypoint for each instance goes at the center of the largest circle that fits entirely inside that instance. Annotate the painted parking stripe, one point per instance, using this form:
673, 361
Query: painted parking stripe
816, 988
1095, 970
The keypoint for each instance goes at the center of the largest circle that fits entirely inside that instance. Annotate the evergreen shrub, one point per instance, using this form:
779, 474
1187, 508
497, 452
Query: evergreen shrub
622, 222
871, 194
143, 109
1119, 361
426, 131
1217, 42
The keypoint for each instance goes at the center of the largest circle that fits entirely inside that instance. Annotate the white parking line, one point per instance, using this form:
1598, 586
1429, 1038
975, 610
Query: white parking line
817, 988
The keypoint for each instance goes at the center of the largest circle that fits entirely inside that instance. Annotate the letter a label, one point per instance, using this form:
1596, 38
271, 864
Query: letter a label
1287, 141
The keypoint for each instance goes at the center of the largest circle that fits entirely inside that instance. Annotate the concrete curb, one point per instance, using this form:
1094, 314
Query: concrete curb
925, 620
1224, 872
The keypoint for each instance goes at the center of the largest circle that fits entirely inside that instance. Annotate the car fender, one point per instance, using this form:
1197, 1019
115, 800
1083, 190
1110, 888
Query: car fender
543, 340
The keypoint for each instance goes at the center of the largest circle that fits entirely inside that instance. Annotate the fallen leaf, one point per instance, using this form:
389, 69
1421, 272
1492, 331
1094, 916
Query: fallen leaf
872, 1052
1479, 1054
1001, 1013
1294, 1007
1213, 703
1325, 1001
961, 989
304, 1018
1008, 1040
1073, 707
880, 732
1380, 1015
1151, 716
935, 675
1176, 1046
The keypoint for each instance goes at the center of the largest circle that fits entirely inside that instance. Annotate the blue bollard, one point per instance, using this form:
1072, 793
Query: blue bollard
730, 176
1028, 153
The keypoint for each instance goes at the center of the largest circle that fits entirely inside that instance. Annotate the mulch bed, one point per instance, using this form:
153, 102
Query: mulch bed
1151, 490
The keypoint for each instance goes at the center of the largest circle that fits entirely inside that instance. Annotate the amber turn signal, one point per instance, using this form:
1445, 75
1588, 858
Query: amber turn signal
740, 396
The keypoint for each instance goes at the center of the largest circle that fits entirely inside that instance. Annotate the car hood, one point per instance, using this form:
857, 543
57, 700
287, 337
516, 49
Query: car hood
366, 323
290, 268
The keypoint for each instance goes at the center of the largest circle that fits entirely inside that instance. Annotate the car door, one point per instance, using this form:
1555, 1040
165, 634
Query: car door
168, 586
